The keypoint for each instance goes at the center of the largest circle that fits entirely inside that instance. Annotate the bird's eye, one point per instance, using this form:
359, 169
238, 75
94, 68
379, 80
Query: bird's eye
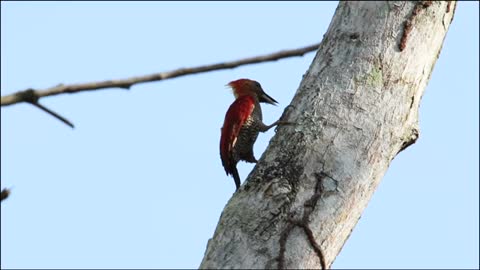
257, 84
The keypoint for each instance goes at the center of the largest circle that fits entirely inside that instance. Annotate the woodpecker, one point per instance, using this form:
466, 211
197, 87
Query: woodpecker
243, 122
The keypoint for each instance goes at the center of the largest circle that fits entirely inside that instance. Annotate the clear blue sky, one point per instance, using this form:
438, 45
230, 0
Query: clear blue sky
139, 183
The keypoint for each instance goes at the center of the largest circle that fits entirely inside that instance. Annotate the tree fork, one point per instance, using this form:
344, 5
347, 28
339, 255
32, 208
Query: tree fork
355, 109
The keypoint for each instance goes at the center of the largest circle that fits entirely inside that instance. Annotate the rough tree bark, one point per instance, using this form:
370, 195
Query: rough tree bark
355, 110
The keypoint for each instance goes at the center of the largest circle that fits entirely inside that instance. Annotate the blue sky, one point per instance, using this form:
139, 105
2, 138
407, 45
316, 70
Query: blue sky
139, 183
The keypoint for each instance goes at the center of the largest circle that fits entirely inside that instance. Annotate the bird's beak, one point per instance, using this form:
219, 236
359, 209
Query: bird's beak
267, 99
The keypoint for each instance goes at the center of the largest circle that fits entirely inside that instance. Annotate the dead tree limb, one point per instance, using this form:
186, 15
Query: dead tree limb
354, 111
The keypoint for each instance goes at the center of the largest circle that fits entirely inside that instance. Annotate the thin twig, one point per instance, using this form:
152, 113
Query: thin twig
54, 114
19, 96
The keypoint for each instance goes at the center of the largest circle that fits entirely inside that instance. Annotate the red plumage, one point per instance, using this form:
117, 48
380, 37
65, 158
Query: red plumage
236, 116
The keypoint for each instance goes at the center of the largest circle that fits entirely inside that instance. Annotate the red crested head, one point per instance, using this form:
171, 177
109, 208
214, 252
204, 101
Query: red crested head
243, 87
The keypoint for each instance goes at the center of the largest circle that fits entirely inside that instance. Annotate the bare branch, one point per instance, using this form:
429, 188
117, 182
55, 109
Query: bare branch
20, 96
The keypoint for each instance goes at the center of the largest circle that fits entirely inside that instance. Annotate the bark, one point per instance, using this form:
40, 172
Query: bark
354, 111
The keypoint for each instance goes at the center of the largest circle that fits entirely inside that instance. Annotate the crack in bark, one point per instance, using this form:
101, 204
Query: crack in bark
309, 206
407, 28
448, 6
283, 244
446, 12
313, 243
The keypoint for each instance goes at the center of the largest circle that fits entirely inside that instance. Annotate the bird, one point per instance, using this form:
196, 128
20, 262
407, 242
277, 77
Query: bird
242, 124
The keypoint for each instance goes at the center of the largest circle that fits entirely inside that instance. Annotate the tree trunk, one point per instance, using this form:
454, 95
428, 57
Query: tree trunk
355, 110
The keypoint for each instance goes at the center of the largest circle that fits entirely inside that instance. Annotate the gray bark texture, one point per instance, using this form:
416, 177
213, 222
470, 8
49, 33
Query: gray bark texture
354, 111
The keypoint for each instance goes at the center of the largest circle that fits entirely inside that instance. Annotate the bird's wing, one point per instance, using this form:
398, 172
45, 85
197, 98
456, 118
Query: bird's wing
236, 116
